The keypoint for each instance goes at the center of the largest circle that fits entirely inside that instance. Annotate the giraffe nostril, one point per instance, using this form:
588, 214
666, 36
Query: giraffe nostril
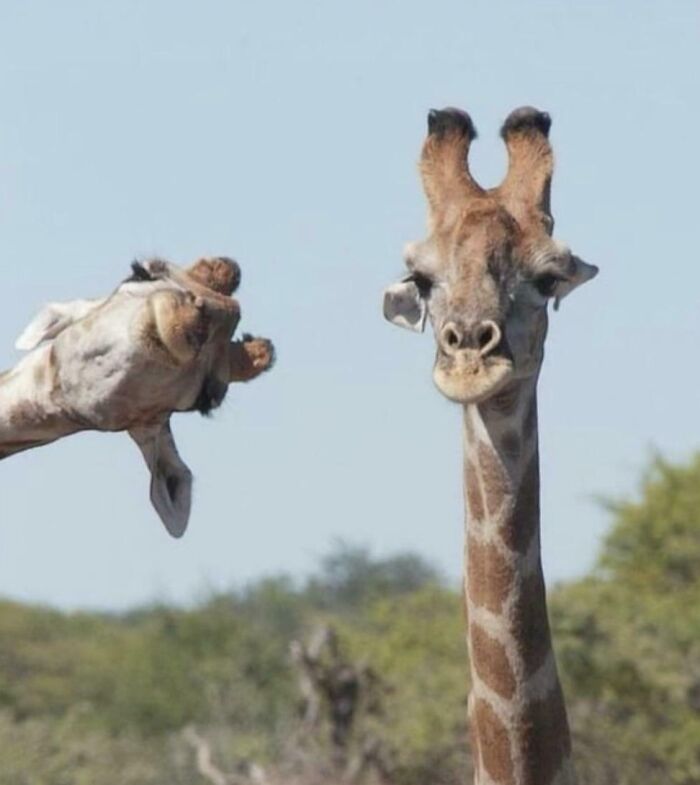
484, 336
450, 338
488, 336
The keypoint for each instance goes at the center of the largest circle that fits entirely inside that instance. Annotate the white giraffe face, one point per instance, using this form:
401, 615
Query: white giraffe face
160, 343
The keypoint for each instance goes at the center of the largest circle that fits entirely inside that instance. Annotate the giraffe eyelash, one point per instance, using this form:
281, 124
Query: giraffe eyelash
423, 283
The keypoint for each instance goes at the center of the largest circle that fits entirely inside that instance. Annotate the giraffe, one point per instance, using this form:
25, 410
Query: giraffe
160, 343
483, 278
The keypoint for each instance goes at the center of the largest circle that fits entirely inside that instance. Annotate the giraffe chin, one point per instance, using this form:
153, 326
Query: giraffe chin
473, 382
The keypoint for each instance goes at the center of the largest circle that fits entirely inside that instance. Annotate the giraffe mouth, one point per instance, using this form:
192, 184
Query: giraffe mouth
467, 378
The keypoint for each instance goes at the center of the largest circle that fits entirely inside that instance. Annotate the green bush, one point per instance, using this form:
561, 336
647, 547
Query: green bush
90, 699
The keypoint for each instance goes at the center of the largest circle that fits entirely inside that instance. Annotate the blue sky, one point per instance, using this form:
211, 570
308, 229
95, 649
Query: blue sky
286, 135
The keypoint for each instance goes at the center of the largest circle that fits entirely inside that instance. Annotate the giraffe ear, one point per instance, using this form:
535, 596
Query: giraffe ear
52, 320
404, 306
171, 480
581, 272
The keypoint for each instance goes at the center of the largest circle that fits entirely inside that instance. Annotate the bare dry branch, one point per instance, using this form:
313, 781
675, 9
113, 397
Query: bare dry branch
205, 764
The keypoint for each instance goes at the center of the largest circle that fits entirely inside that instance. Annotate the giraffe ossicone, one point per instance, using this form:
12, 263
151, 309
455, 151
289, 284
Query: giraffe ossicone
160, 343
483, 277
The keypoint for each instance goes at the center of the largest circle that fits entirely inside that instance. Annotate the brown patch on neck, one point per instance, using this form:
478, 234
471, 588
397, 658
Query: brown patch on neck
494, 743
491, 663
475, 499
496, 481
489, 575
545, 739
523, 520
530, 624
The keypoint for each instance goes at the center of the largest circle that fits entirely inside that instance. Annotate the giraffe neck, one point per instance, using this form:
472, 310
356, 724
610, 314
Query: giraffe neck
518, 722
29, 413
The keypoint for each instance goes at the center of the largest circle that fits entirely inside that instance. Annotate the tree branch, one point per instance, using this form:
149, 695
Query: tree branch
205, 765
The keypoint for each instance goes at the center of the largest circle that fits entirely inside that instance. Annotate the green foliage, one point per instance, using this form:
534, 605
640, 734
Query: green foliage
655, 544
66, 751
416, 642
629, 636
88, 699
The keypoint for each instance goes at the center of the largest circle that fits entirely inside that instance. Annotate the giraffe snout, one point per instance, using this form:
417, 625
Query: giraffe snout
482, 337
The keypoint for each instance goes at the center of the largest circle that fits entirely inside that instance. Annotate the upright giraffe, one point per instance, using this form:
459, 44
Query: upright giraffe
484, 276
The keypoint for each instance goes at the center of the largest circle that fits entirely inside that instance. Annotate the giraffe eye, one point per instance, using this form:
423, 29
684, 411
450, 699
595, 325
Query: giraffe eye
546, 284
422, 282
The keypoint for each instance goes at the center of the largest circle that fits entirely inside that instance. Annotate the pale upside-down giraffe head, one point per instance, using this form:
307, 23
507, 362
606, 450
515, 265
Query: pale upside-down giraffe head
160, 343
489, 266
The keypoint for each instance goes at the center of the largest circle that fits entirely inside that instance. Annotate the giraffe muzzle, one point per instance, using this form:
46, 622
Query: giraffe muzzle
471, 375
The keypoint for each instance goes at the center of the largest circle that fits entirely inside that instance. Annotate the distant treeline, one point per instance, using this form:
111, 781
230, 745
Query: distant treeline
101, 699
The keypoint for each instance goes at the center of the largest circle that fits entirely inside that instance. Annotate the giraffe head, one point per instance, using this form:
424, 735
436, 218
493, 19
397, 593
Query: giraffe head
489, 265
160, 343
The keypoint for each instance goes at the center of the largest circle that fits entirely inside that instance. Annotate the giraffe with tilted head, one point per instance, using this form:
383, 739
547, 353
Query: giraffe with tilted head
484, 277
160, 343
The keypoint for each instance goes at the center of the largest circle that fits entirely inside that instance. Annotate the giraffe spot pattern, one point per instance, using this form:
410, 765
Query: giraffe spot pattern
495, 478
523, 520
542, 733
475, 499
494, 744
491, 663
544, 738
530, 624
490, 576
